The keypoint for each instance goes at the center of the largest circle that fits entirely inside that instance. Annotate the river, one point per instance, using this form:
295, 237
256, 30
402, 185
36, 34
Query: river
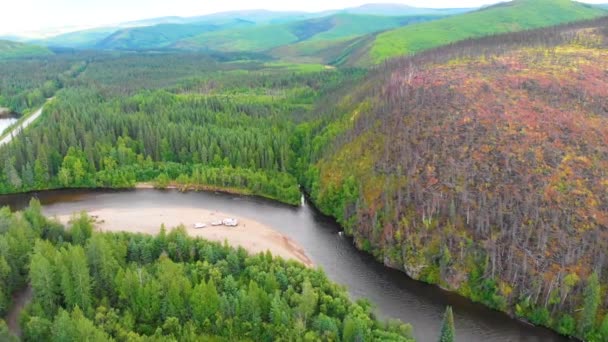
6, 123
394, 293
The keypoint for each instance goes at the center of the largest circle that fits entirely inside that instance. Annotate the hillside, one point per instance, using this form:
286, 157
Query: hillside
480, 167
334, 27
78, 39
10, 49
157, 36
507, 17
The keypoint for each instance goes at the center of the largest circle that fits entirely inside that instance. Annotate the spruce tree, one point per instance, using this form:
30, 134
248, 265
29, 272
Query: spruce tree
592, 300
447, 326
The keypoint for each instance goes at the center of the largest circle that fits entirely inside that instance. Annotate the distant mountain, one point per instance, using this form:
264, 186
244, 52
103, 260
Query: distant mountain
13, 38
78, 39
154, 21
11, 49
337, 27
161, 32
505, 17
159, 36
256, 16
390, 9
344, 33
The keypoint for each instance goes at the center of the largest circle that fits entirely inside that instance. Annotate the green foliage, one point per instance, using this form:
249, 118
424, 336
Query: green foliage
172, 287
220, 130
447, 326
76, 327
592, 300
17, 237
6, 335
75, 280
81, 229
9, 49
603, 330
566, 325
27, 83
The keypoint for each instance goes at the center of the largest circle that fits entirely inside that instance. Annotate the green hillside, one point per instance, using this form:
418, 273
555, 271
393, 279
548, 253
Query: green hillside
79, 39
244, 39
508, 17
160, 36
331, 46
314, 51
335, 27
350, 25
9, 49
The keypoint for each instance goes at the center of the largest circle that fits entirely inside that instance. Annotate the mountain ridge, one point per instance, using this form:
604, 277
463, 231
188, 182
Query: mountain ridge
79, 38
500, 18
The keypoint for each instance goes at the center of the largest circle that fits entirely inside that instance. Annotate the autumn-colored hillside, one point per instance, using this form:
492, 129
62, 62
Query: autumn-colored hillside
482, 167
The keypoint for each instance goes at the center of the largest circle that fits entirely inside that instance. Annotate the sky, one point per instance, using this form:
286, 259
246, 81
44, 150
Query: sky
32, 17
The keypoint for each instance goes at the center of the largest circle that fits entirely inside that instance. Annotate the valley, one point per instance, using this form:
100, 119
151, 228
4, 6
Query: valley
430, 160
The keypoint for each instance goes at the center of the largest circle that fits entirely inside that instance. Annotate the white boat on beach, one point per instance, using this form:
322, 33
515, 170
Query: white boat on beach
230, 222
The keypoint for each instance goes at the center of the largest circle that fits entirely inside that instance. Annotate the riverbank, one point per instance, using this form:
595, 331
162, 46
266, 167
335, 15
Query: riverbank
251, 235
173, 185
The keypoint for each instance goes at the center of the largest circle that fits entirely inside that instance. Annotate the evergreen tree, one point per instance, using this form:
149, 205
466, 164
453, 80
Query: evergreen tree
447, 326
591, 302
43, 276
82, 228
75, 278
103, 264
205, 301
308, 301
603, 331
76, 327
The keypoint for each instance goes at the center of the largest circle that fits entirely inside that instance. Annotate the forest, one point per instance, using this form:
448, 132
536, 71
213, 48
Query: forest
125, 287
480, 166
146, 120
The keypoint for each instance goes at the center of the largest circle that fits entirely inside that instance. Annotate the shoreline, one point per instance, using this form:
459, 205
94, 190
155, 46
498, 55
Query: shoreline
251, 235
208, 188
